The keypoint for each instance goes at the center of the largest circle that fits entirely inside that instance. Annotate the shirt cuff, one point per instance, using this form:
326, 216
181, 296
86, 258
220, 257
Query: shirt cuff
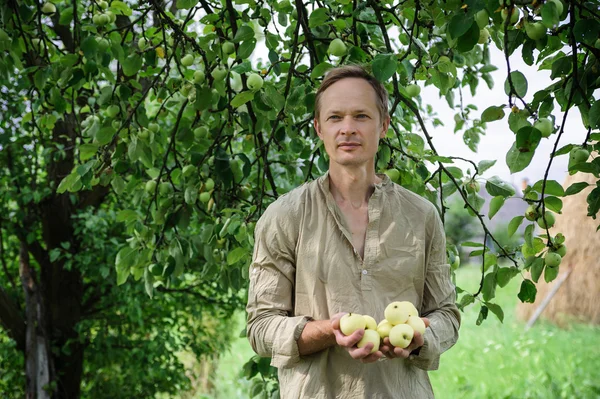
428, 356
285, 348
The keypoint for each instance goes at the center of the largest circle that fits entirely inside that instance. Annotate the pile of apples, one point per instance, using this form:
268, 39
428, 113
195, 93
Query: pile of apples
400, 323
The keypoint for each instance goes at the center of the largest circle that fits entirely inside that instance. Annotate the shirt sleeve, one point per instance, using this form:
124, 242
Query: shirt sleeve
439, 304
272, 329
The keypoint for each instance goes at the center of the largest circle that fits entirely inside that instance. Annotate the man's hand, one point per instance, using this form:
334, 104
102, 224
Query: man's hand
391, 351
349, 342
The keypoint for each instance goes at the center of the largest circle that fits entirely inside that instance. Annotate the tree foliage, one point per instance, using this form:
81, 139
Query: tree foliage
141, 141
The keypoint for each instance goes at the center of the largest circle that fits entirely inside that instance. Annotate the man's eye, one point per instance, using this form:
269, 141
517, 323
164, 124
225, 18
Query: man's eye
334, 117
362, 116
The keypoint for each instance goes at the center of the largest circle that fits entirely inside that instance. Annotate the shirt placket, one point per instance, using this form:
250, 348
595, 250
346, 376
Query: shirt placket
371, 241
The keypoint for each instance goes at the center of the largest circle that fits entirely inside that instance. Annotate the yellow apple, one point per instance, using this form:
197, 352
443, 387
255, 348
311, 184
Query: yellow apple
401, 335
417, 324
371, 323
399, 312
384, 328
351, 322
372, 337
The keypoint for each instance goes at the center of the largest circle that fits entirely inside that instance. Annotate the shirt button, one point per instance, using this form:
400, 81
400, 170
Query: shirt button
364, 272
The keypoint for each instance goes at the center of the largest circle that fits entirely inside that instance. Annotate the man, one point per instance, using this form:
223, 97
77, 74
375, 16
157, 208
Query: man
350, 241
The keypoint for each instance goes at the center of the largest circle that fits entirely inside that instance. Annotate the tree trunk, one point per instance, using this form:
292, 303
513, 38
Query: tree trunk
38, 365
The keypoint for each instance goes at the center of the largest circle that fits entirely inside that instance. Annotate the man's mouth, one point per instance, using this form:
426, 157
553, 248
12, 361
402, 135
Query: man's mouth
348, 145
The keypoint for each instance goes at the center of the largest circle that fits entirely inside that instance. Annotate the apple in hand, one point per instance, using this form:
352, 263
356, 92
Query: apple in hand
371, 323
416, 323
399, 312
401, 335
384, 327
370, 336
351, 322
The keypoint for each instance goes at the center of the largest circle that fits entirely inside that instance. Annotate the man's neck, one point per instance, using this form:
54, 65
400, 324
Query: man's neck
352, 186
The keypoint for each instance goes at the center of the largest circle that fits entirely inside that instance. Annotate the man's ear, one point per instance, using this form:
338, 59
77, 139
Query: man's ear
317, 128
384, 127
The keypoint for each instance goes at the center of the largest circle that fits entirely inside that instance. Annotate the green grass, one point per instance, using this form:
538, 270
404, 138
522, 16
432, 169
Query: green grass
493, 360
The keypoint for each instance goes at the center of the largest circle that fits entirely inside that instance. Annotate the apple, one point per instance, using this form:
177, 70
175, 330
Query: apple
393, 174
187, 60
443, 59
337, 48
384, 328
399, 312
111, 16
472, 186
219, 74
531, 213
209, 184
165, 188
112, 110
417, 324
103, 44
254, 82
559, 249
142, 43
199, 77
155, 269
370, 336
482, 18
150, 186
371, 323
48, 8
154, 127
188, 171
456, 264
579, 155
549, 220
545, 126
552, 259
204, 197
413, 90
535, 30
401, 335
484, 35
100, 19
103, 4
200, 132
351, 322
144, 134
228, 47
514, 17
559, 6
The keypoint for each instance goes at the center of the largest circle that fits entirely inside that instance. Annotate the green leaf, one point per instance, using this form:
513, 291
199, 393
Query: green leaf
460, 24
319, 70
495, 205
191, 195
67, 182
148, 282
484, 165
318, 17
552, 188
493, 113
519, 83
246, 48
105, 135
554, 204
244, 33
594, 115
466, 300
529, 235
472, 244
127, 215
131, 65
561, 66
120, 8
483, 313
242, 98
517, 160
489, 260
384, 66
528, 138
514, 224
550, 16
593, 201
185, 4
125, 259
505, 274
497, 310
576, 188
86, 151
118, 184
489, 286
550, 273
469, 40
536, 269
495, 186
236, 255
587, 31
527, 292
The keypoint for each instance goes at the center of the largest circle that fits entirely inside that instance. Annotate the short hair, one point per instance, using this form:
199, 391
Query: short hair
354, 71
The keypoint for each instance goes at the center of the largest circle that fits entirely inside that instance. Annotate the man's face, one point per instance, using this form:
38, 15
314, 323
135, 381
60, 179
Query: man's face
349, 123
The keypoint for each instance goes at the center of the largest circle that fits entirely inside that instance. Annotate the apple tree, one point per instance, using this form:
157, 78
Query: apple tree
172, 125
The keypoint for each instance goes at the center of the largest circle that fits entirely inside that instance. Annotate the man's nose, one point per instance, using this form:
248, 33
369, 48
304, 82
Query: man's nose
348, 125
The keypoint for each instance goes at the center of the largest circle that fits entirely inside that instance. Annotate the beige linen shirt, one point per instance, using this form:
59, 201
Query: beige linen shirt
306, 268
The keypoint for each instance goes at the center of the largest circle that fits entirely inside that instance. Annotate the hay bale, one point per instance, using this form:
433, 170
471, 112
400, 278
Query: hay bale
578, 299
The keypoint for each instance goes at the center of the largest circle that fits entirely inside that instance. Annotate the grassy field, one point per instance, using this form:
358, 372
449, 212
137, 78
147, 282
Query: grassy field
493, 360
